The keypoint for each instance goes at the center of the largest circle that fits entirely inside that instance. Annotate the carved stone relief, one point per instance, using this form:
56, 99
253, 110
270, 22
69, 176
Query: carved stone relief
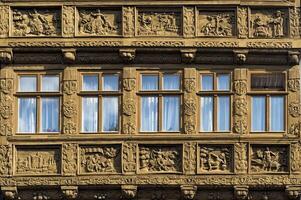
216, 23
164, 159
4, 21
129, 84
69, 87
268, 23
129, 157
6, 95
35, 22
68, 21
128, 21
241, 158
215, 159
189, 21
242, 22
69, 108
158, 23
100, 159
189, 157
189, 107
189, 84
5, 160
69, 158
129, 107
295, 129
38, 161
270, 158
99, 22
240, 87
293, 85
294, 18
294, 109
296, 157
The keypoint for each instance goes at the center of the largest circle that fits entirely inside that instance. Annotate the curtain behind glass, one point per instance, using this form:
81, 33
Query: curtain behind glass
50, 83
27, 115
207, 82
171, 113
277, 113
206, 114
149, 82
149, 113
258, 113
110, 82
50, 114
171, 82
110, 114
89, 114
223, 113
27, 83
223, 82
90, 83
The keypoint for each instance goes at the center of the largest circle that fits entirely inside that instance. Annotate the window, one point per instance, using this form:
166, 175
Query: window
38, 103
267, 102
215, 101
160, 102
100, 102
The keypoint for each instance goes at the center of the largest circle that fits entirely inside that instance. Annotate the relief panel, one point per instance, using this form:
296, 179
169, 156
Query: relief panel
159, 23
269, 158
215, 159
98, 22
163, 159
100, 159
216, 23
38, 161
35, 22
268, 23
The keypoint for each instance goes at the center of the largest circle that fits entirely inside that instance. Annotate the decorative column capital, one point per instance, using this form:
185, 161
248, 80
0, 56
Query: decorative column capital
6, 56
293, 57
9, 193
240, 56
241, 192
70, 192
188, 191
69, 55
127, 55
129, 191
188, 55
293, 191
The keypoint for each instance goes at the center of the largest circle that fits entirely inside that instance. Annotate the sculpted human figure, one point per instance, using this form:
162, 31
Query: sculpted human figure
278, 24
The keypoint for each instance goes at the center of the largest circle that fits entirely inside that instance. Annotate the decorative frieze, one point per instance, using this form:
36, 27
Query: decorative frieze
69, 158
68, 21
41, 22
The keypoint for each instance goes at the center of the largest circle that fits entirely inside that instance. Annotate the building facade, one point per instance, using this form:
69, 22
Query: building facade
150, 100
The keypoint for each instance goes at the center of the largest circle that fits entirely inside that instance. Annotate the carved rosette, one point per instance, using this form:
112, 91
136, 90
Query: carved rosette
5, 160
242, 22
4, 21
69, 158
189, 157
296, 157
129, 157
241, 158
6, 106
128, 16
189, 21
68, 21
294, 20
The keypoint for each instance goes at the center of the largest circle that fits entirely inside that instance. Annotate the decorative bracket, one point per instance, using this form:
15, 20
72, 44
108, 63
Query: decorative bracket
240, 56
69, 55
127, 55
188, 191
9, 193
293, 191
241, 192
129, 191
6, 56
188, 55
70, 192
293, 57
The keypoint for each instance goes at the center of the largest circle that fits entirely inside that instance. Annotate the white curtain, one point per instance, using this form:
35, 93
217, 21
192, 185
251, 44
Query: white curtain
89, 114
277, 113
90, 82
27, 115
171, 113
223, 82
171, 82
223, 113
110, 82
207, 82
258, 113
28, 83
110, 113
149, 114
50, 114
206, 114
149, 82
50, 83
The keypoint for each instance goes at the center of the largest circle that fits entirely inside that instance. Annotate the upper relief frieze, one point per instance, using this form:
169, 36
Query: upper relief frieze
35, 22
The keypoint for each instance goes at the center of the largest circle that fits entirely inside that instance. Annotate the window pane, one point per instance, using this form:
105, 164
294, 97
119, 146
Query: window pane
90, 82
50, 83
171, 82
268, 81
50, 114
223, 113
258, 113
223, 82
207, 82
28, 83
110, 113
206, 113
89, 114
27, 115
149, 113
277, 113
110, 82
149, 82
171, 114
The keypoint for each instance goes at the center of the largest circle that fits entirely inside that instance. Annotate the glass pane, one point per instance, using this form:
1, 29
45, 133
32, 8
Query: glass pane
149, 82
207, 82
277, 113
27, 115
149, 113
28, 84
223, 113
171, 113
223, 82
110, 82
89, 114
90, 82
110, 113
50, 114
258, 113
207, 114
50, 83
171, 82
268, 81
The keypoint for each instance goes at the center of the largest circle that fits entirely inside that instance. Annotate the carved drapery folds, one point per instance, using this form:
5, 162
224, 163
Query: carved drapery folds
189, 21
69, 158
189, 157
128, 16
241, 158
68, 21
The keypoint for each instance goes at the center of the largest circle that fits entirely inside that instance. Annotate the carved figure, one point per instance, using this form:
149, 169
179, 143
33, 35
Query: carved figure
278, 24
261, 28
214, 159
218, 25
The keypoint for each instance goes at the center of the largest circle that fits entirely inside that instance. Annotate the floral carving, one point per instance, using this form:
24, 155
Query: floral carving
6, 85
294, 109
295, 129
128, 21
69, 158
69, 108
241, 157
5, 129
189, 157
240, 125
240, 106
242, 22
129, 84
4, 20
5, 159
129, 107
97, 22
158, 23
215, 159
5, 109
159, 159
69, 87
293, 85
296, 157
68, 21
189, 84
129, 156
129, 128
189, 107
240, 87
35, 22
69, 128
294, 22
189, 21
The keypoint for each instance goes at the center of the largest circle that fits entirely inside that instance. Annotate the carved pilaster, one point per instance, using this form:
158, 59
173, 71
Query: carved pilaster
189, 157
241, 192
70, 192
294, 19
69, 158
4, 21
128, 192
188, 192
241, 158
70, 112
128, 16
127, 55
242, 22
293, 191
9, 193
188, 55
68, 21
129, 157
189, 21
190, 101
240, 104
5, 160
69, 55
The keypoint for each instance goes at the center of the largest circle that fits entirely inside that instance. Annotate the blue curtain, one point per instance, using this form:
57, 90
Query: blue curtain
149, 82
171, 82
223, 113
90, 83
50, 83
50, 114
149, 114
277, 113
89, 114
171, 113
206, 114
27, 115
28, 83
207, 82
258, 113
110, 113
110, 82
